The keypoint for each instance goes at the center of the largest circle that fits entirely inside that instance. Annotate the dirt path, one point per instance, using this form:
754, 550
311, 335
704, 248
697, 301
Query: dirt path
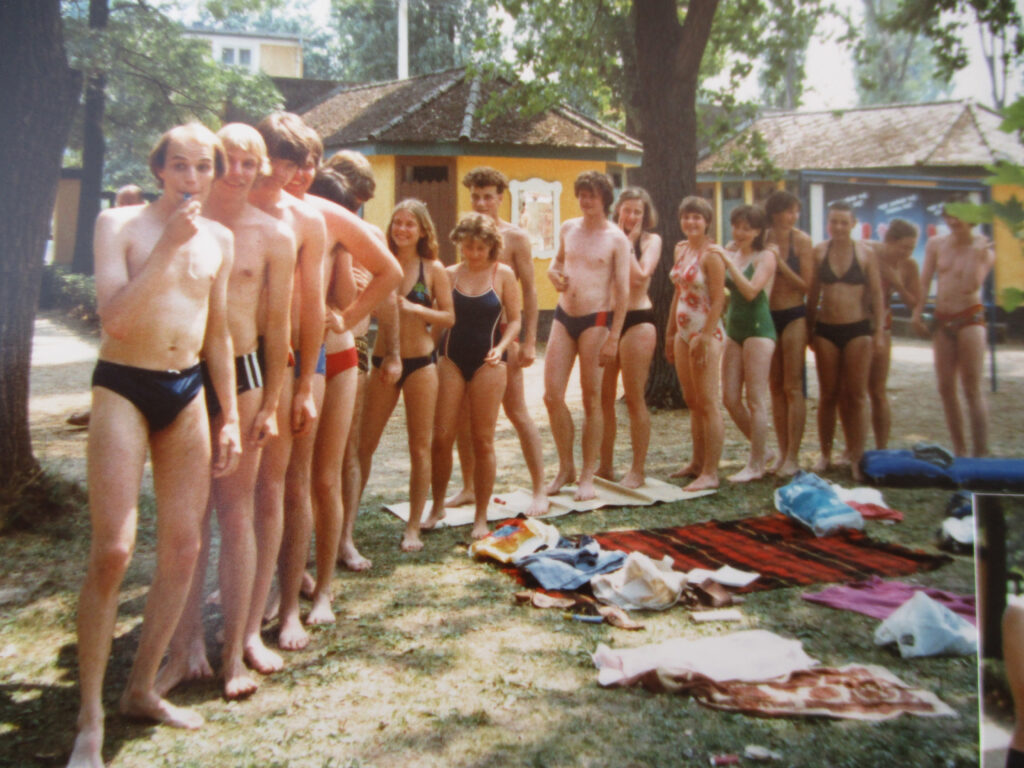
63, 358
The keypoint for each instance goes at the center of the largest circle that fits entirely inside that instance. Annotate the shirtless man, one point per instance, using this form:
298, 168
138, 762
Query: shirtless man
487, 191
289, 145
793, 272
845, 281
348, 240
591, 272
960, 261
161, 289
129, 194
259, 296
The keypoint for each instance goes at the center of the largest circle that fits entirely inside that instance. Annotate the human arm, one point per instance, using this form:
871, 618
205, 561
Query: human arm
761, 279
877, 302
907, 283
311, 320
670, 328
278, 283
621, 258
523, 258
218, 352
814, 291
442, 313
556, 272
650, 254
930, 261
511, 302
388, 329
804, 250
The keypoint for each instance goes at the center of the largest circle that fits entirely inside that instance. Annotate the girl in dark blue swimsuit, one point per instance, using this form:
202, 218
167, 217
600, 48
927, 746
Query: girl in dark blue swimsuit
472, 373
424, 301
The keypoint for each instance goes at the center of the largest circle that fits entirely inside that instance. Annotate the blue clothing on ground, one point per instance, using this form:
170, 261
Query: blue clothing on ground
571, 567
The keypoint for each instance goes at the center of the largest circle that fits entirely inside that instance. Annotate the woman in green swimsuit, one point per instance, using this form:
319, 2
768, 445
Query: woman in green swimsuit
750, 334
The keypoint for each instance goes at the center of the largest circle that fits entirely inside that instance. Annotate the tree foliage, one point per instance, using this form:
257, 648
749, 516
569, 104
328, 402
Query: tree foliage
894, 63
442, 35
945, 24
156, 77
782, 73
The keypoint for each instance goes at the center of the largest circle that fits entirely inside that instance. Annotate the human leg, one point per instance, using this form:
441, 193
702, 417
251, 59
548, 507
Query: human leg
732, 385
854, 369
706, 376
589, 347
609, 389
793, 359
485, 391
181, 470
297, 530
944, 351
420, 397
328, 453
268, 524
881, 415
635, 355
826, 362
116, 456
381, 398
757, 357
351, 485
529, 436
558, 361
450, 418
970, 343
464, 446
684, 374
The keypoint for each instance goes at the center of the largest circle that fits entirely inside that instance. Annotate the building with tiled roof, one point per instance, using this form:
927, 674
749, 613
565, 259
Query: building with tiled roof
892, 160
422, 135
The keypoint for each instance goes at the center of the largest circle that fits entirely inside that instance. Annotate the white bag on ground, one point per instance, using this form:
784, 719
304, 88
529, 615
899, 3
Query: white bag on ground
923, 627
641, 584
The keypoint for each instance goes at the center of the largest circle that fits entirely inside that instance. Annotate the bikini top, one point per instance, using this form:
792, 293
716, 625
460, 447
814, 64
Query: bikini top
419, 294
792, 260
853, 276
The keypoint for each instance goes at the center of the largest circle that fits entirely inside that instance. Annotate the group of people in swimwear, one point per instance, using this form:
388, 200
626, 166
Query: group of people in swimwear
252, 278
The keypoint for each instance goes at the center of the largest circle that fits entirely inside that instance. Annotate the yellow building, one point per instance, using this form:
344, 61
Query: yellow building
423, 134
276, 55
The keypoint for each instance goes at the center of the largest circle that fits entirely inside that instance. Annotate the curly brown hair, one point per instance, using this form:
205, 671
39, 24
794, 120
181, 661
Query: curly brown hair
476, 226
485, 176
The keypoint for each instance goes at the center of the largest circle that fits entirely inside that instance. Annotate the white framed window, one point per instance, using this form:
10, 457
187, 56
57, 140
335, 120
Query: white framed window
245, 57
227, 56
536, 208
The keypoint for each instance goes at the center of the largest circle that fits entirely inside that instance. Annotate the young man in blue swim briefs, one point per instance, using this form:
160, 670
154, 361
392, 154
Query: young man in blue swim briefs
591, 274
161, 289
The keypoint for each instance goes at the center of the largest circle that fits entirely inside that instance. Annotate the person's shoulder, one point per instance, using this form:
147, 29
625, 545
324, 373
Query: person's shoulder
436, 266
218, 230
514, 237
574, 223
616, 234
800, 237
649, 237
505, 272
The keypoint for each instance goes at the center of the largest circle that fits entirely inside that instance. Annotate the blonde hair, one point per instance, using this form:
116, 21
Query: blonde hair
247, 139
193, 130
426, 246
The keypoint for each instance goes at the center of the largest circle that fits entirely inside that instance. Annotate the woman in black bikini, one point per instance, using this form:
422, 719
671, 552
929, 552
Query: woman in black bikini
794, 268
472, 370
846, 281
424, 300
634, 213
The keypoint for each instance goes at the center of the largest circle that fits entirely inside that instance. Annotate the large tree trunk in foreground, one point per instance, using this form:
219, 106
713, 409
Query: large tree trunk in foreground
39, 93
668, 62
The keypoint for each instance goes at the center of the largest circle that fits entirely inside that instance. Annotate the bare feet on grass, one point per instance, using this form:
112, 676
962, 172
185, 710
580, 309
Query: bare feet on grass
822, 464
349, 557
411, 541
308, 586
292, 636
687, 470
605, 473
480, 531
261, 658
747, 474
191, 665
150, 706
703, 483
564, 477
321, 612
436, 516
238, 681
787, 469
87, 750
460, 499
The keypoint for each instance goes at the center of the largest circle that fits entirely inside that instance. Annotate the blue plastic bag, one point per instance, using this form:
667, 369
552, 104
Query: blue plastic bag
811, 501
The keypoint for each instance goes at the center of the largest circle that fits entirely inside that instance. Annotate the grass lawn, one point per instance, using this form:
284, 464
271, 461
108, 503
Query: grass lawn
432, 664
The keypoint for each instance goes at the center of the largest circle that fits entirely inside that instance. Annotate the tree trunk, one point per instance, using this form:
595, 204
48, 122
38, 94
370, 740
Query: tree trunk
39, 93
668, 62
93, 150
